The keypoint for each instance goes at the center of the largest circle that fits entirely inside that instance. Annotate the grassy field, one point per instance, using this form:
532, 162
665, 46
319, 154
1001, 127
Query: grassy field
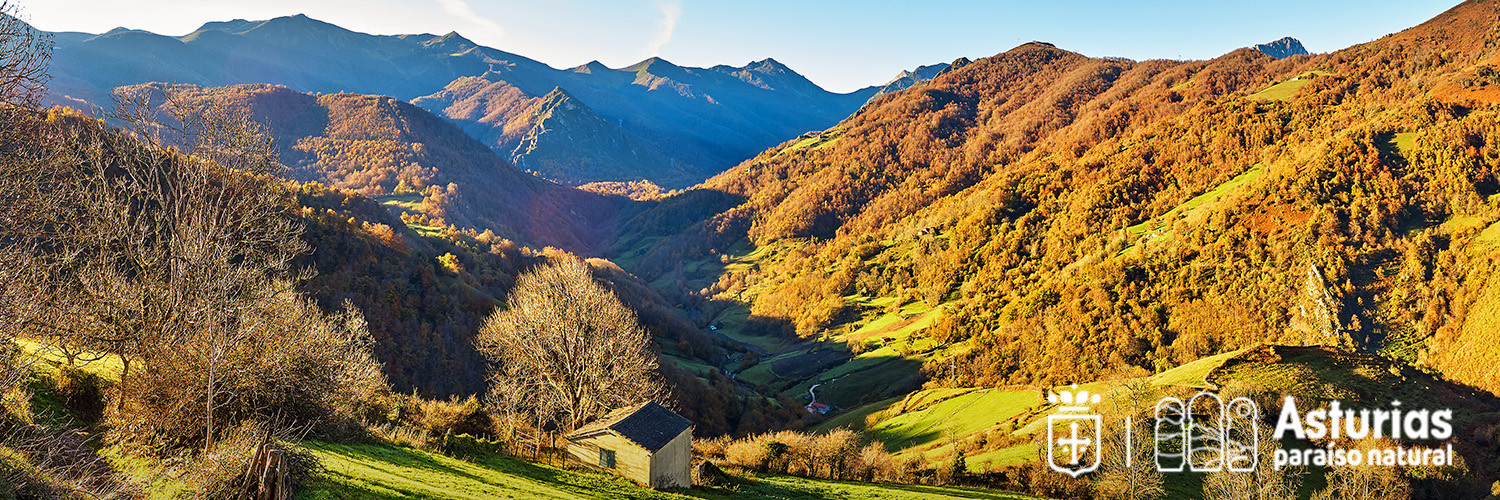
823, 140
405, 201
854, 419
1160, 224
1193, 374
106, 367
920, 422
895, 352
691, 365
1487, 240
1404, 142
1475, 357
899, 324
993, 459
958, 416
378, 472
1282, 91
731, 323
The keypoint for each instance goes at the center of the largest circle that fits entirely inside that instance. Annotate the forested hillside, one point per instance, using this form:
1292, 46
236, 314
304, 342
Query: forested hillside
1066, 217
413, 161
426, 265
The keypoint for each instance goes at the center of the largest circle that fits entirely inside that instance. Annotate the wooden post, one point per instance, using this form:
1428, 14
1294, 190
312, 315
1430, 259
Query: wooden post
283, 490
252, 476
265, 477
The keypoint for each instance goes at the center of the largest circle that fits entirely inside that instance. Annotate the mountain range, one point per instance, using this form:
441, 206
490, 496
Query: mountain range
918, 76
653, 120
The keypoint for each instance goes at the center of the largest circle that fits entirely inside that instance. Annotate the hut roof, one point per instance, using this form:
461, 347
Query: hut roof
648, 424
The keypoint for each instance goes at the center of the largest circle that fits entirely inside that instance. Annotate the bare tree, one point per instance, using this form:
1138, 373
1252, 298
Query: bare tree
1129, 472
1262, 482
24, 53
1367, 481
231, 233
152, 244
566, 348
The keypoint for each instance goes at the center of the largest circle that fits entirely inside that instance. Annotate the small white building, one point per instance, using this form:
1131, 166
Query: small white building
646, 443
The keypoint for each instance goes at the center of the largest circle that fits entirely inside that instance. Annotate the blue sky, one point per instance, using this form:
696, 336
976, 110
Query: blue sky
839, 44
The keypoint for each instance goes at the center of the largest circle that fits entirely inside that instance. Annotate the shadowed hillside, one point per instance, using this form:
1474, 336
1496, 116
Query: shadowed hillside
669, 124
380, 146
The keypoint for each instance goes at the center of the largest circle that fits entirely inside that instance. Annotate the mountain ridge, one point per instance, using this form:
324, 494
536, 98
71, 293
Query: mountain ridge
379, 145
700, 120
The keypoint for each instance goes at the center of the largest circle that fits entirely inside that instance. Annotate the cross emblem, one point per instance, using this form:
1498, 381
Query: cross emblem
1077, 444
1063, 433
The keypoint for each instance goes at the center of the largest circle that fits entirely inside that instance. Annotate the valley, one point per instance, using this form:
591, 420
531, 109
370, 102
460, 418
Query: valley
885, 293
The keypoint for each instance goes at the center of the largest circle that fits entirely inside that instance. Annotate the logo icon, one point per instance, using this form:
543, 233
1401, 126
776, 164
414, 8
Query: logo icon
1206, 435
1073, 434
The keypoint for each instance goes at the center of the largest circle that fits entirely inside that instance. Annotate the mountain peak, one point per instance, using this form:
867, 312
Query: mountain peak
1035, 45
557, 94
1283, 48
233, 27
300, 20
770, 63
655, 62
657, 67
122, 30
770, 74
591, 67
915, 77
451, 42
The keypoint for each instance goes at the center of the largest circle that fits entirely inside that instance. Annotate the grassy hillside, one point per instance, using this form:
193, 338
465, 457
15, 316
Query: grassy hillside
377, 472
1001, 427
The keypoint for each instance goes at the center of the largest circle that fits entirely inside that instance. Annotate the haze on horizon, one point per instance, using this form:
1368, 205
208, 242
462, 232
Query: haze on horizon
841, 45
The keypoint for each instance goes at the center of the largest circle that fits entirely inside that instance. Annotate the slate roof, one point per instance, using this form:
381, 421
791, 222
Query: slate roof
649, 425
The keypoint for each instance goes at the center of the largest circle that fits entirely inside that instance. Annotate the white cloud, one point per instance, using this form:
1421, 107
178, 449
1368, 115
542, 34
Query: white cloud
671, 11
461, 9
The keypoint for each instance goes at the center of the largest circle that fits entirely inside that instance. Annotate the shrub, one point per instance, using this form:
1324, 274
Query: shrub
835, 455
453, 416
711, 448
467, 446
748, 453
315, 370
875, 464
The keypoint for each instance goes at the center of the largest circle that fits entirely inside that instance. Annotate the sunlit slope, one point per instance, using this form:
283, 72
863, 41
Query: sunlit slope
1053, 214
376, 472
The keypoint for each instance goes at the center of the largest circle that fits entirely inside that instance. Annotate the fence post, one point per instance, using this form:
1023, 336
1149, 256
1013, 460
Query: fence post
283, 490
263, 484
